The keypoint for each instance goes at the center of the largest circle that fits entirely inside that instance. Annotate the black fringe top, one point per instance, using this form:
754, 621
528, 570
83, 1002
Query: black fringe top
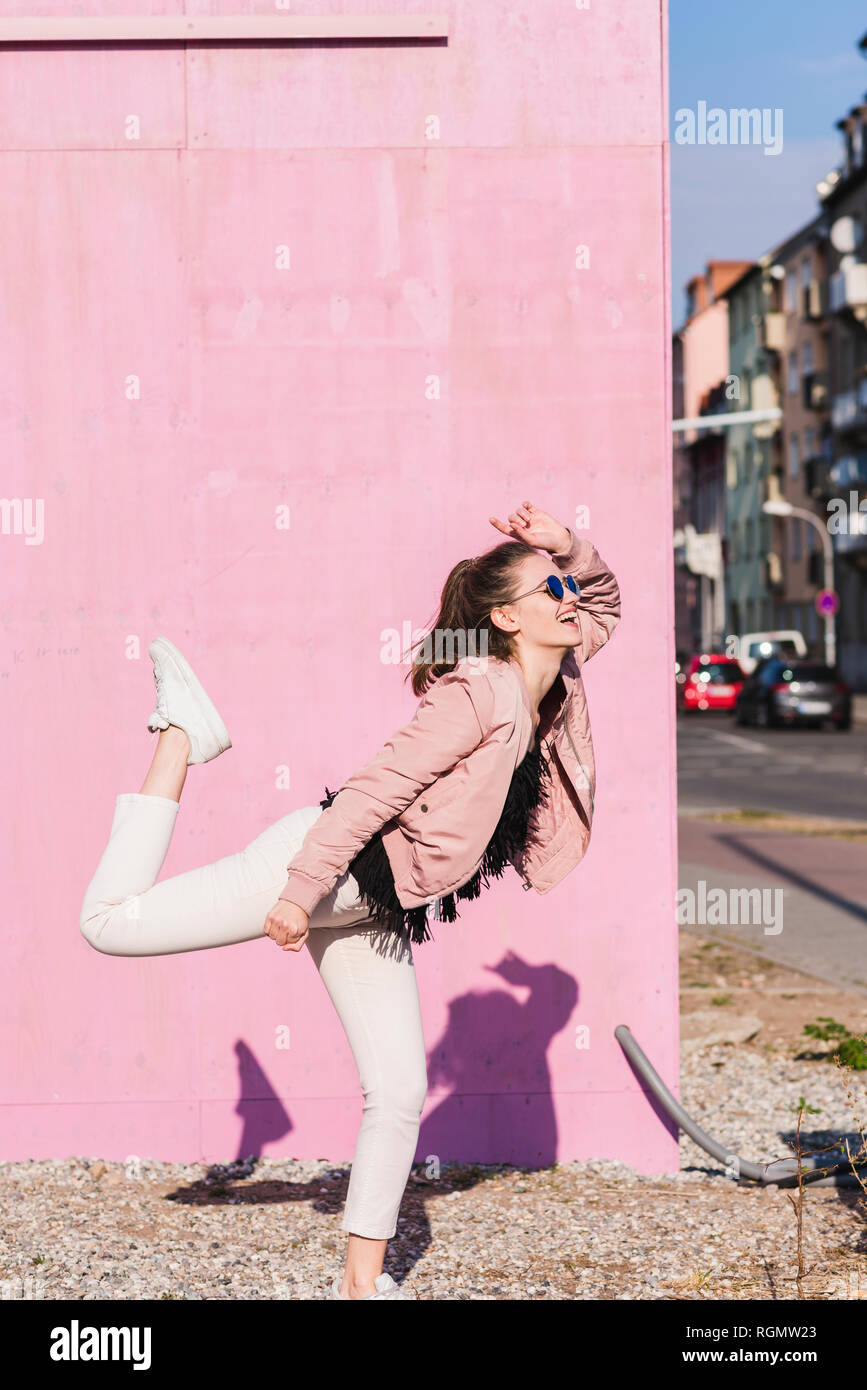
372, 871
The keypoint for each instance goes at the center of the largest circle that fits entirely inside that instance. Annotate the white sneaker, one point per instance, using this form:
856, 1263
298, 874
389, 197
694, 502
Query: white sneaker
385, 1285
183, 701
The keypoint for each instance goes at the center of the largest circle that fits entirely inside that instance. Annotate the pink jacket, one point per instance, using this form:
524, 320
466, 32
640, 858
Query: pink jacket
437, 787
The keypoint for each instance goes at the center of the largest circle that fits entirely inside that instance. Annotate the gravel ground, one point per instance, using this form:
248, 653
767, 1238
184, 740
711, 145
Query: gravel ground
84, 1229
265, 1229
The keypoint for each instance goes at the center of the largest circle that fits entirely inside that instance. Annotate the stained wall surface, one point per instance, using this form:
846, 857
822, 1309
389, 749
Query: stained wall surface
282, 325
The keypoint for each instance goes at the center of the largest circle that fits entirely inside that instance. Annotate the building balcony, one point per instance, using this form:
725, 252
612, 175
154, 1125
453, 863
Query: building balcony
764, 396
849, 409
817, 477
771, 332
849, 473
699, 552
844, 410
814, 387
847, 289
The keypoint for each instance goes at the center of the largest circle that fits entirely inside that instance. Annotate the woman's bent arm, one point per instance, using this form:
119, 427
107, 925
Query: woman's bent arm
450, 722
599, 603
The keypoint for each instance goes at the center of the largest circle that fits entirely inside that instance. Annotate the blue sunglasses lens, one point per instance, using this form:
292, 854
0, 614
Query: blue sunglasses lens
555, 585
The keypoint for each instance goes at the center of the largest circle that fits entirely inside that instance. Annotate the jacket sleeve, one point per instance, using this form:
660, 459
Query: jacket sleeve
452, 719
599, 600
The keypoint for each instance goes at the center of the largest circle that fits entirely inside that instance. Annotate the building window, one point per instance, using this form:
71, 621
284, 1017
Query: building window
793, 373
807, 358
794, 456
806, 273
810, 444
791, 291
797, 528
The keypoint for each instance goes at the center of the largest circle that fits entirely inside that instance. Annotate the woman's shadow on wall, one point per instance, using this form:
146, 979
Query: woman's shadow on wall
498, 1111
492, 1061
493, 1058
264, 1120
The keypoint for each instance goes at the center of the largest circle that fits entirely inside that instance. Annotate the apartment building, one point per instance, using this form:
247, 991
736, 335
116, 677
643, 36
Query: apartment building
838, 478
700, 367
794, 332
752, 453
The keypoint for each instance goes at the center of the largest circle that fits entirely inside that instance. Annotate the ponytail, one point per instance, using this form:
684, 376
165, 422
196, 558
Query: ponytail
463, 625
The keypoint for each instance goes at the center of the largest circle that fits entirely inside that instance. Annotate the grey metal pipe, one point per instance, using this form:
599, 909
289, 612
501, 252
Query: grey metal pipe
782, 1171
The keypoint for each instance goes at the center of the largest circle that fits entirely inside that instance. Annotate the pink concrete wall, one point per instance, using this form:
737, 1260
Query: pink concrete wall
306, 386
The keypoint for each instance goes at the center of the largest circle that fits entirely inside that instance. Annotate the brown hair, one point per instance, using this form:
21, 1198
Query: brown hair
471, 590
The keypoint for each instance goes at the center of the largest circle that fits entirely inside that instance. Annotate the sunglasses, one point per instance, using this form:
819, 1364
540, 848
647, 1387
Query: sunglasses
554, 586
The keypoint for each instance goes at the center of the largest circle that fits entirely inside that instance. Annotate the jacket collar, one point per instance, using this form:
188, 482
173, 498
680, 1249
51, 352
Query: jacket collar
556, 698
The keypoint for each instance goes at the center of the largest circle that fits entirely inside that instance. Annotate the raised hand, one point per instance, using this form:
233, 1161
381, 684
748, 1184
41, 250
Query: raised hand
526, 523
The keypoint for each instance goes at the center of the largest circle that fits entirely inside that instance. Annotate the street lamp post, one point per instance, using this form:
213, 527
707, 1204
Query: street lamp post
778, 506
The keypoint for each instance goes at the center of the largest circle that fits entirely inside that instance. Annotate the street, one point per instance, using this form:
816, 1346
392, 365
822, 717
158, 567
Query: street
817, 772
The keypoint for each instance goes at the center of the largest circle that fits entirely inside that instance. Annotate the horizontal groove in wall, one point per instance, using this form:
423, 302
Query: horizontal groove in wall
189, 28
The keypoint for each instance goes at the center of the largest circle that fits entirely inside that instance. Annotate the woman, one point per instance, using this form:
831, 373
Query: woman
459, 792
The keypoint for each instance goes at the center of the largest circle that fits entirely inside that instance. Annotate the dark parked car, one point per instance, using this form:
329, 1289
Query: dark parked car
794, 692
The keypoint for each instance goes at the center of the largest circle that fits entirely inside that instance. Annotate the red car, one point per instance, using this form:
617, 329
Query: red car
710, 682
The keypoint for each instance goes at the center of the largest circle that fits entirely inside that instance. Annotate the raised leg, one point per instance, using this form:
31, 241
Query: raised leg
126, 912
168, 770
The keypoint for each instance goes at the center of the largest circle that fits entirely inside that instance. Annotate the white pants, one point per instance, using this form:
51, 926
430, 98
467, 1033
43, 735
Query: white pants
367, 970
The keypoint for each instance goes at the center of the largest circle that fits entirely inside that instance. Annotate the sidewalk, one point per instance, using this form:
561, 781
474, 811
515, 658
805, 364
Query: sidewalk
859, 709
823, 879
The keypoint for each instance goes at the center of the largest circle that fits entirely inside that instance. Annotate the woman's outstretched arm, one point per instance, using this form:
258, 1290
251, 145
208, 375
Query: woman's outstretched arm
451, 720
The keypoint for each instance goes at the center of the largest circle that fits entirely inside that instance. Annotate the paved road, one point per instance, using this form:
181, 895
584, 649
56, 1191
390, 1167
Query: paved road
816, 772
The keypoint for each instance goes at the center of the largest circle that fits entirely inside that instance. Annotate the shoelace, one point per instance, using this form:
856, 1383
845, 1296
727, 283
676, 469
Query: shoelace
159, 682
391, 1291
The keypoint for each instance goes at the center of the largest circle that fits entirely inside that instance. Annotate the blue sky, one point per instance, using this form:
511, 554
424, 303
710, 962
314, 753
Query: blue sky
733, 201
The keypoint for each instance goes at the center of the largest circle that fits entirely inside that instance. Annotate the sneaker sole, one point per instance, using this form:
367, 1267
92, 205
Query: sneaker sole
216, 728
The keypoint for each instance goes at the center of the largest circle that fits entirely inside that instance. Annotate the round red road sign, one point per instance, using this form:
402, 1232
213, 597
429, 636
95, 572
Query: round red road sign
827, 602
